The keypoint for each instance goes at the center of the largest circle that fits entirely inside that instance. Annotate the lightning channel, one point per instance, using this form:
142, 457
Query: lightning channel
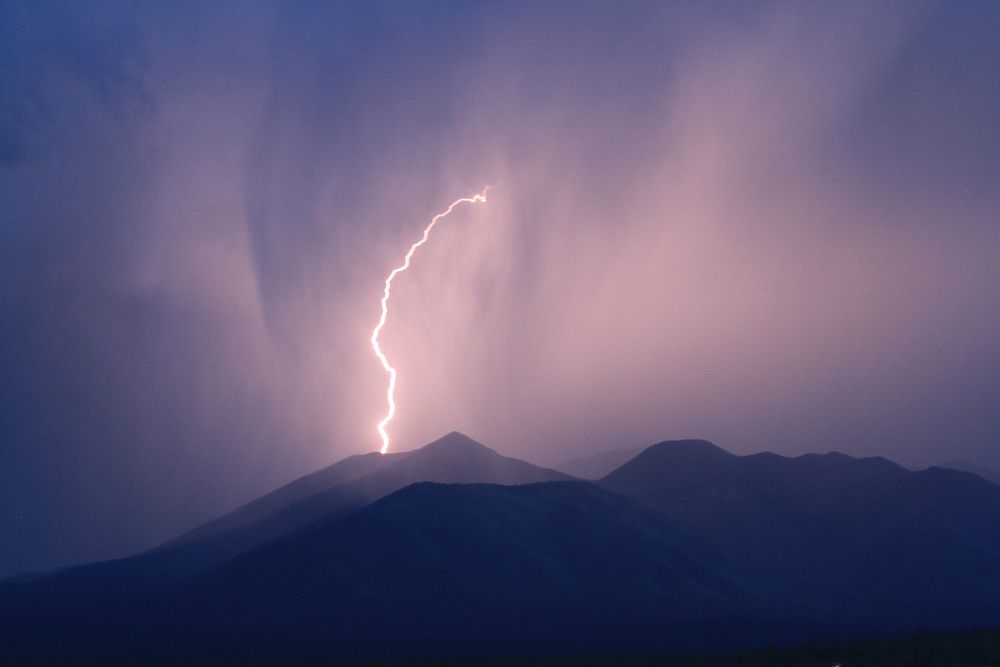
390, 393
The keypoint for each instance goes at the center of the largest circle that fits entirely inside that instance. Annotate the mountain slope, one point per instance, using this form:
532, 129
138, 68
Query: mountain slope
598, 465
989, 474
849, 538
322, 480
761, 504
452, 458
455, 570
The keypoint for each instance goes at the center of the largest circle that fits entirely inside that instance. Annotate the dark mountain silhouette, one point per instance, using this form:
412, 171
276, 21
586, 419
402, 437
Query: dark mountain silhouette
863, 539
455, 568
454, 457
765, 506
989, 474
454, 550
294, 507
359, 480
444, 570
598, 465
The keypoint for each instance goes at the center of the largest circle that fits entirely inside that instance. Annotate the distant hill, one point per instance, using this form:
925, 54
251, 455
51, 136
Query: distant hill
598, 465
858, 539
989, 474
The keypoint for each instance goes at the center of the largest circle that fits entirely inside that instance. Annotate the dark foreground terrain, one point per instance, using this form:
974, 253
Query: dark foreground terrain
956, 648
453, 552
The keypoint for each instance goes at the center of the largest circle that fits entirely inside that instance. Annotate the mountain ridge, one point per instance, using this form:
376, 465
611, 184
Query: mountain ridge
452, 458
686, 545
819, 526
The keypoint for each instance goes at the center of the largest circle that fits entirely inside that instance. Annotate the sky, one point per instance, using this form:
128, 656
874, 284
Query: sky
771, 225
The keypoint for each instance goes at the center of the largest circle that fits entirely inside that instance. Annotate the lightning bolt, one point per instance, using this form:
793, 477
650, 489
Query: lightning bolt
390, 393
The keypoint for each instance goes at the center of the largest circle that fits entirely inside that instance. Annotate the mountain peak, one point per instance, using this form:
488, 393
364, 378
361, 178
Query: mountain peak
671, 461
688, 447
455, 442
455, 457
688, 453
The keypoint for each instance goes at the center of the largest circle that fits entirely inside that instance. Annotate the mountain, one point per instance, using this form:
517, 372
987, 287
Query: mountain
440, 570
759, 504
359, 479
989, 474
859, 539
322, 480
453, 458
332, 493
598, 465
455, 551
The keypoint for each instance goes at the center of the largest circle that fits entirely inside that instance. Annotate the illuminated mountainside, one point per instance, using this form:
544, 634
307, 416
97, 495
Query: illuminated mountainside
322, 480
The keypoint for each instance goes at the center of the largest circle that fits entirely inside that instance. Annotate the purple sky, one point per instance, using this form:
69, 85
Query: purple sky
775, 226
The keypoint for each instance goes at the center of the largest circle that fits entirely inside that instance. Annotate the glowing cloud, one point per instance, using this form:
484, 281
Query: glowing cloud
390, 392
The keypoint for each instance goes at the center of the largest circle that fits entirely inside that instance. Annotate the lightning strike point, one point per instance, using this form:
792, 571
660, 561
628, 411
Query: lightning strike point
386, 366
